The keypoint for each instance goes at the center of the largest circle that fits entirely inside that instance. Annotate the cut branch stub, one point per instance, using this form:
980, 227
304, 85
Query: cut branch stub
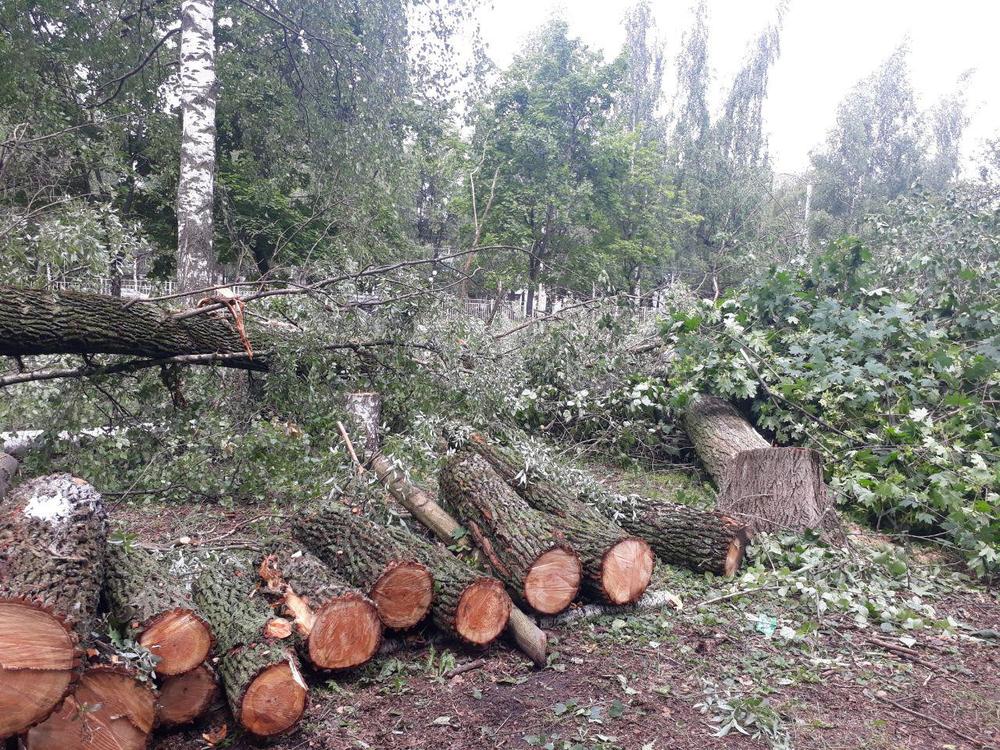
185, 697
52, 537
142, 592
365, 555
521, 544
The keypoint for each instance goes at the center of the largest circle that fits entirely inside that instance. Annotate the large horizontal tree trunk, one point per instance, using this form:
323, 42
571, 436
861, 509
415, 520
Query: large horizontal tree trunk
521, 544
52, 538
769, 489
157, 608
36, 321
617, 564
263, 685
339, 625
365, 555
678, 534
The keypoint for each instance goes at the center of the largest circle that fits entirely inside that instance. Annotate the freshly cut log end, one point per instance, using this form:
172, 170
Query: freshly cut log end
553, 580
180, 639
483, 611
185, 697
737, 551
346, 633
38, 664
403, 594
265, 689
109, 710
626, 570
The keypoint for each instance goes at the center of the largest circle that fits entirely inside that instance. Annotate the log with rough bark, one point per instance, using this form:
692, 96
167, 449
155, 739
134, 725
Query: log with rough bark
678, 534
156, 607
8, 468
529, 637
472, 605
521, 544
363, 553
259, 670
339, 625
52, 538
112, 708
617, 565
769, 489
184, 698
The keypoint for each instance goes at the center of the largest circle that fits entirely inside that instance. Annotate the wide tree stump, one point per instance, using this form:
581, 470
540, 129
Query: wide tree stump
339, 625
52, 538
184, 698
523, 546
156, 607
365, 555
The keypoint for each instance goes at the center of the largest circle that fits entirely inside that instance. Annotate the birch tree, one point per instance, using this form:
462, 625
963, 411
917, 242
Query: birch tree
196, 265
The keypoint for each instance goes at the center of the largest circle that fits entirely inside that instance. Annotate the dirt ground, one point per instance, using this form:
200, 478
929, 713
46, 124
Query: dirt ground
636, 680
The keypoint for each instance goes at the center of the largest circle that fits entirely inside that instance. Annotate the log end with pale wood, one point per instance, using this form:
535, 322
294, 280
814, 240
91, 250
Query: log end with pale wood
265, 688
184, 698
626, 569
483, 612
553, 580
179, 638
109, 709
403, 594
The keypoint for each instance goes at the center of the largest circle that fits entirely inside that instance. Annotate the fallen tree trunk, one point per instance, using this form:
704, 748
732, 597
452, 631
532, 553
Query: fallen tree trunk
260, 673
521, 545
184, 698
769, 489
617, 565
52, 538
156, 608
8, 468
339, 625
472, 605
529, 637
366, 556
678, 534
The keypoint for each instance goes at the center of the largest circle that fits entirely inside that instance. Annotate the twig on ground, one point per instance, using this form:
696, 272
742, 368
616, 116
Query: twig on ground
463, 668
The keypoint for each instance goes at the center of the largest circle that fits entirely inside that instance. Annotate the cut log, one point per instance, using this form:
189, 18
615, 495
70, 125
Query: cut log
156, 607
8, 468
339, 625
769, 489
470, 604
718, 432
260, 673
529, 637
617, 565
363, 553
678, 534
110, 709
184, 698
52, 538
521, 545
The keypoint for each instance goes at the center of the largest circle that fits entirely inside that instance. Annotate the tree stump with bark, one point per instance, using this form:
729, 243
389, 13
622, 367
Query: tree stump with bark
157, 608
52, 537
365, 555
521, 544
259, 670
339, 625
617, 565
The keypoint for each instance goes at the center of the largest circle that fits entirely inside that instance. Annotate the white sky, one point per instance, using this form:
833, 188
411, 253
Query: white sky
826, 48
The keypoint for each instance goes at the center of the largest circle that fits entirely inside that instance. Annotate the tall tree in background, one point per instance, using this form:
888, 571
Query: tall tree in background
196, 263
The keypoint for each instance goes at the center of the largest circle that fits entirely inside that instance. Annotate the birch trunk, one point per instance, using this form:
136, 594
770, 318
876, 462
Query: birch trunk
196, 266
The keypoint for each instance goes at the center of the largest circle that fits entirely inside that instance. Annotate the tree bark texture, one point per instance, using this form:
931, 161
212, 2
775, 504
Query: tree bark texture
718, 432
156, 607
36, 321
196, 265
8, 468
678, 534
512, 535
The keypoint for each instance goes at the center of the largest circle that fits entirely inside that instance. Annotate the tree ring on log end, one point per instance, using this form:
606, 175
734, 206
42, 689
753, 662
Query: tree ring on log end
553, 580
403, 594
346, 633
38, 663
626, 569
482, 612
185, 697
274, 701
179, 638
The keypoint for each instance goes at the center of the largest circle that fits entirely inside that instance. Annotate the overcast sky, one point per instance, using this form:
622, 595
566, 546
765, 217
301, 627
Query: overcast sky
826, 48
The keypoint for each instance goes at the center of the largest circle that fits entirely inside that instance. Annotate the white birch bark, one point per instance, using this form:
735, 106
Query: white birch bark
196, 266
